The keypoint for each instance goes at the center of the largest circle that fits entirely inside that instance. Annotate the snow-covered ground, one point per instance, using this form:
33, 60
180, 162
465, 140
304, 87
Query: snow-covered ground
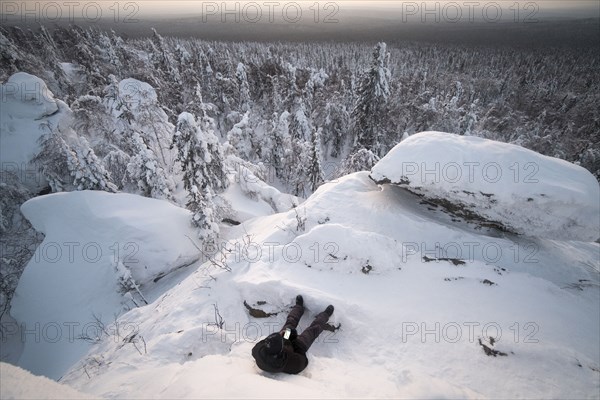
25, 385
419, 293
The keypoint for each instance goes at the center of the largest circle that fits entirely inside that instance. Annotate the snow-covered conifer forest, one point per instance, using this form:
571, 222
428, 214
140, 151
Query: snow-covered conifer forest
164, 198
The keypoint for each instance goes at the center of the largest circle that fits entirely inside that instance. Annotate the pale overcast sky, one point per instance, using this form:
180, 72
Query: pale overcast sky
155, 8
571, 8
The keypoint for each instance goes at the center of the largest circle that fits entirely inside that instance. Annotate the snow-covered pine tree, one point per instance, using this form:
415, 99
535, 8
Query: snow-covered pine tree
511, 89
369, 112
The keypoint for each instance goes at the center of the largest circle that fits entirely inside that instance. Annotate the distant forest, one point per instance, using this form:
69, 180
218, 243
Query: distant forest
356, 97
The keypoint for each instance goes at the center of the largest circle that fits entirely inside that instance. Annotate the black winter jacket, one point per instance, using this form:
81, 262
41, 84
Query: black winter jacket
291, 360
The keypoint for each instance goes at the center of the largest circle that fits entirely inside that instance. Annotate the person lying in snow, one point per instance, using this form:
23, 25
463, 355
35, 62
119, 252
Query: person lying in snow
285, 351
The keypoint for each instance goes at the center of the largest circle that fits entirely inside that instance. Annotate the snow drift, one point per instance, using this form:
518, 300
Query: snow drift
502, 184
98, 248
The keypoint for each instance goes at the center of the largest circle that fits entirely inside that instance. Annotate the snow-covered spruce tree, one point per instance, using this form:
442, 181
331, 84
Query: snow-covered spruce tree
300, 128
240, 138
70, 167
116, 162
335, 126
296, 168
243, 88
51, 160
86, 56
145, 135
91, 119
226, 92
280, 139
109, 53
145, 171
51, 55
167, 73
15, 56
315, 170
153, 125
112, 100
362, 160
203, 173
369, 114
274, 103
86, 169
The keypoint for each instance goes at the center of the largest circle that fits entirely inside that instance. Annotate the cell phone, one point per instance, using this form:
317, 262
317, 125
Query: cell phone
287, 333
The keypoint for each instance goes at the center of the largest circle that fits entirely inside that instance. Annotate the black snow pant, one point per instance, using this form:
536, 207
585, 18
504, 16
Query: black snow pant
310, 334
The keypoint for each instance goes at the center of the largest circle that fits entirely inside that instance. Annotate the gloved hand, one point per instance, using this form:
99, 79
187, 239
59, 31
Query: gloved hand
293, 334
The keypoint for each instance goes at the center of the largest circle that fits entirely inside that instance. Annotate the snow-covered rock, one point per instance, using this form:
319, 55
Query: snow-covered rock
409, 327
18, 383
97, 247
518, 189
30, 96
137, 94
28, 111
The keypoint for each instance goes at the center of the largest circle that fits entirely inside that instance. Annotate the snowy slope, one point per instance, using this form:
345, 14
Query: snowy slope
409, 328
524, 191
